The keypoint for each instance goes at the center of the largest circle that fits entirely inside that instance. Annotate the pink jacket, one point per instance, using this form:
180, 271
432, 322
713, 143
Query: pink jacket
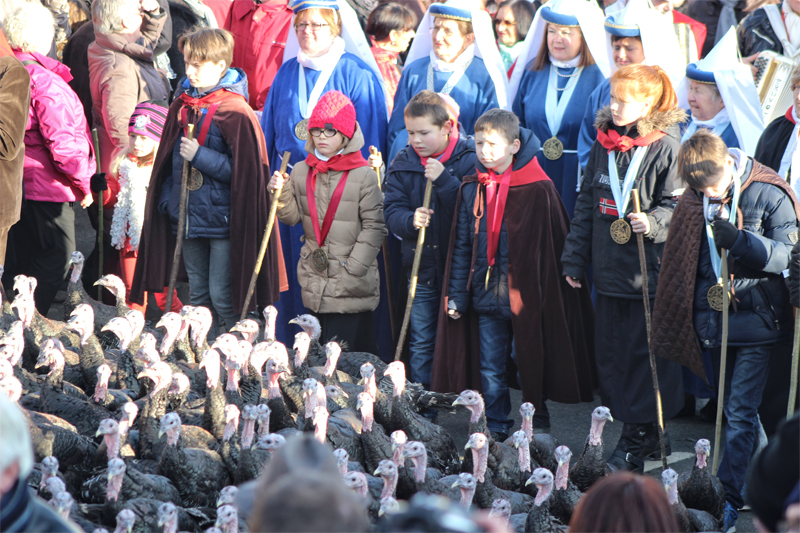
59, 157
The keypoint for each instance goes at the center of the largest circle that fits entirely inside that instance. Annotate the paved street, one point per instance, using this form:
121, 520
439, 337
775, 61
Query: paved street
570, 423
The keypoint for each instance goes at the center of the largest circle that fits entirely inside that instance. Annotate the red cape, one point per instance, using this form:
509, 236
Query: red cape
698, 28
249, 210
553, 323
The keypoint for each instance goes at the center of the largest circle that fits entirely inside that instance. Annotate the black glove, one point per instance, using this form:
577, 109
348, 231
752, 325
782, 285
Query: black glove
98, 182
725, 233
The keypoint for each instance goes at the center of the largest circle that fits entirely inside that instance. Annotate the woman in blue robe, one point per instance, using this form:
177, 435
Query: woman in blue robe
338, 43
562, 59
463, 61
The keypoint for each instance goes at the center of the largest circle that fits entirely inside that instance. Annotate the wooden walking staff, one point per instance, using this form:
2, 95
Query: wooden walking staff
98, 169
723, 357
385, 248
412, 285
273, 210
646, 297
176, 258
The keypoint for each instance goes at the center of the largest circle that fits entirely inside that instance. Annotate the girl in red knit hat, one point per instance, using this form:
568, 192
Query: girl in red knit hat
335, 194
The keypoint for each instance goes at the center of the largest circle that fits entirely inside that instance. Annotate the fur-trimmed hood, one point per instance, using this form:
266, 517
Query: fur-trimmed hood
655, 121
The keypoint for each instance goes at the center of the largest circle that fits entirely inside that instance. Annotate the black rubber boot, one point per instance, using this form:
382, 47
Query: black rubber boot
626, 456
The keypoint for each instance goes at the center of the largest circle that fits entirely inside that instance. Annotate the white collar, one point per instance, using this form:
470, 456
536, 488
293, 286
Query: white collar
572, 63
717, 120
322, 157
442, 66
320, 62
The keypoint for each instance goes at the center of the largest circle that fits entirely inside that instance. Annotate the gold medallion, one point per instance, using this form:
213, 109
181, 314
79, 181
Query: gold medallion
715, 297
319, 259
195, 180
301, 129
553, 149
620, 231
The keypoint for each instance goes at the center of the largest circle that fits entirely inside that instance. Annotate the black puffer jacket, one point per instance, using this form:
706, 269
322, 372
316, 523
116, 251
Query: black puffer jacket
494, 301
756, 34
794, 276
405, 192
759, 257
616, 267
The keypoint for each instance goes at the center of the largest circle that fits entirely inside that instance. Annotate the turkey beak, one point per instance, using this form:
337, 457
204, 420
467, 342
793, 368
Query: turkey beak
293, 321
376, 472
530, 480
101, 282
458, 401
381, 512
161, 432
97, 435
456, 484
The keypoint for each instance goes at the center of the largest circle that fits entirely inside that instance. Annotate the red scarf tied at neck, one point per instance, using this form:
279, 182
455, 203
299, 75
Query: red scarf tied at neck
496, 196
612, 140
447, 152
211, 101
340, 163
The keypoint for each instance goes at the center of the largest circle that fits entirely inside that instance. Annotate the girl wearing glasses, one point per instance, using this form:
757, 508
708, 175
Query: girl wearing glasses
459, 59
326, 50
562, 61
335, 194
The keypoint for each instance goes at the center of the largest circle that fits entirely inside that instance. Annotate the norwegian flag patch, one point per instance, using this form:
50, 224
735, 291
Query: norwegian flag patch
608, 207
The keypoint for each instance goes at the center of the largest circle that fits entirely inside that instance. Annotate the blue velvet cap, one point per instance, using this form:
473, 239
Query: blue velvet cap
617, 24
450, 12
561, 19
300, 5
696, 74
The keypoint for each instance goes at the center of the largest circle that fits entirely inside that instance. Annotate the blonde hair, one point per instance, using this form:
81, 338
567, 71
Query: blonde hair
30, 28
644, 83
208, 44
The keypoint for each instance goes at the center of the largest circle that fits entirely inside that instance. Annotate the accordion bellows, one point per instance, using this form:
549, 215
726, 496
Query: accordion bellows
773, 83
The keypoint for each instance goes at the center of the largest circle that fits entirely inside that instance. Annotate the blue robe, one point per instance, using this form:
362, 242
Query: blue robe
529, 106
728, 135
600, 98
474, 93
281, 113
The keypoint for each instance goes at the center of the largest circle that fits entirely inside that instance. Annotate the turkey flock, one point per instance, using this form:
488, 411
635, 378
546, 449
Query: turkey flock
156, 434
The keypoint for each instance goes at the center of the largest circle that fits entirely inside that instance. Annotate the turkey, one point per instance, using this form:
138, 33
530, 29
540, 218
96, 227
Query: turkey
539, 519
376, 443
227, 519
76, 295
37, 327
670, 479
197, 474
52, 355
565, 494
252, 461
543, 445
300, 347
501, 510
154, 408
110, 399
368, 490
339, 430
701, 489
175, 344
213, 409
437, 440
91, 352
125, 378
485, 491
279, 417
116, 287
120, 483
428, 480
591, 464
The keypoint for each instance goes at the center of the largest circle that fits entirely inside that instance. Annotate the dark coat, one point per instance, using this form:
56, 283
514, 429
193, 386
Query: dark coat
552, 322
15, 95
616, 268
759, 256
773, 142
248, 216
405, 191
756, 34
208, 208
23, 511
707, 12
794, 276
756, 261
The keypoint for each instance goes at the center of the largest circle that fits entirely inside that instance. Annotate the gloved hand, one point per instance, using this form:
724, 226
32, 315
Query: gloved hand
98, 182
725, 233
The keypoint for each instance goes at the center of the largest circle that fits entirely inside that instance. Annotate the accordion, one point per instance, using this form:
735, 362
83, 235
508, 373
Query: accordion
773, 83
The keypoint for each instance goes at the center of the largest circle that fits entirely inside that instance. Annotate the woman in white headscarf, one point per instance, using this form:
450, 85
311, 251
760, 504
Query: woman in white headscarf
565, 59
459, 59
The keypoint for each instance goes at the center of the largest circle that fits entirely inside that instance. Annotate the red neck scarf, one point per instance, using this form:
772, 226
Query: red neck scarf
496, 196
211, 101
789, 115
447, 152
622, 143
341, 163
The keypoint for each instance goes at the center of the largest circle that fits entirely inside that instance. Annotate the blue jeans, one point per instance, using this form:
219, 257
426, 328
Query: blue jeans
422, 333
496, 337
745, 377
208, 264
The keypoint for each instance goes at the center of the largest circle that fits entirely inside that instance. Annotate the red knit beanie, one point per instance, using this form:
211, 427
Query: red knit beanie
334, 110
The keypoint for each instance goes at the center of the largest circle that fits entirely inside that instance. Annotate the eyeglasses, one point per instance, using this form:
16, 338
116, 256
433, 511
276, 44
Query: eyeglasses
446, 31
504, 23
316, 132
315, 26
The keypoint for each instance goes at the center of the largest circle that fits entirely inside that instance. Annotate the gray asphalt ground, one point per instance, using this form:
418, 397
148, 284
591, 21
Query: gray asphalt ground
569, 423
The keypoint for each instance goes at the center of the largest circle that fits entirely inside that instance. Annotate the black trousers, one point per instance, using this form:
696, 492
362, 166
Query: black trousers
355, 329
40, 245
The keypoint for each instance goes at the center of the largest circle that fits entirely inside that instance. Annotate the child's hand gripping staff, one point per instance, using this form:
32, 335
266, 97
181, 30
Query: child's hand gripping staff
176, 258
273, 210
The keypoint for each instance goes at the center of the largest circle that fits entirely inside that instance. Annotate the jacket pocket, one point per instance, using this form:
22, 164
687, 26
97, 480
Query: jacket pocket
349, 284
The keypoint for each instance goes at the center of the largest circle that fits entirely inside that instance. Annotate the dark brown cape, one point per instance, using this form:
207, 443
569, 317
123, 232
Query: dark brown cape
672, 336
553, 323
249, 210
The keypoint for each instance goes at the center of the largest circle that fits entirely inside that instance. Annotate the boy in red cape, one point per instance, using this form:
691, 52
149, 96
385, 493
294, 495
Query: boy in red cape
503, 291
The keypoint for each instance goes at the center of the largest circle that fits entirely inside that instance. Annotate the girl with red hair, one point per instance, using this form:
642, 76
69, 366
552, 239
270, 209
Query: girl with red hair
637, 145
